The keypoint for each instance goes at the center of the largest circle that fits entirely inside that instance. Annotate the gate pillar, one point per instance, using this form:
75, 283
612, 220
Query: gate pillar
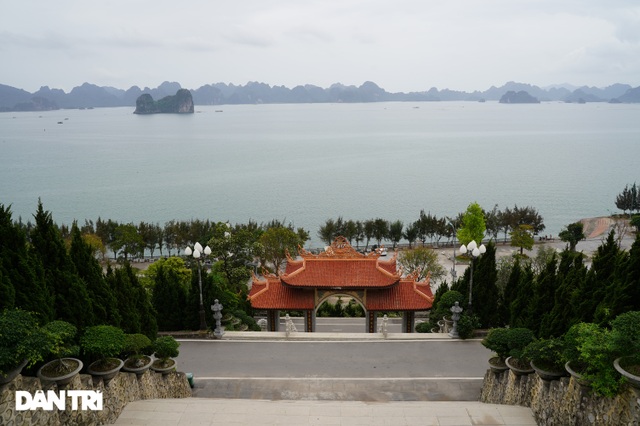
273, 320
408, 321
310, 320
371, 322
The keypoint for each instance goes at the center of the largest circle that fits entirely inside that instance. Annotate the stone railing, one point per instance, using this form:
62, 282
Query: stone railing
122, 389
561, 402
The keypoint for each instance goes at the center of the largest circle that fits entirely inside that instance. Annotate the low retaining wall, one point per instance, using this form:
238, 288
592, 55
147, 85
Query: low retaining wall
122, 389
561, 402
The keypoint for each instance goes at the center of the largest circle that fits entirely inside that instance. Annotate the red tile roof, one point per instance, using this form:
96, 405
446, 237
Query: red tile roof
339, 273
407, 295
271, 294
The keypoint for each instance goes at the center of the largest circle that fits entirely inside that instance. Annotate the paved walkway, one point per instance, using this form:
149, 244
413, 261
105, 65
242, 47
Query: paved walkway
255, 409
201, 411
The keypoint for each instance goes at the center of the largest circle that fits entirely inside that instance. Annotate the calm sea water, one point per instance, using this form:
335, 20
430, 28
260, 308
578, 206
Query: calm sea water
308, 163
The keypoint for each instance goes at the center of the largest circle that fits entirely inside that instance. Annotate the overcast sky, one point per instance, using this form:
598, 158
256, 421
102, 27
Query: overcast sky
402, 45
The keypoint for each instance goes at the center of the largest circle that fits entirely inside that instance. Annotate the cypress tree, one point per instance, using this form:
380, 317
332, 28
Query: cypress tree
511, 290
118, 281
599, 278
104, 302
142, 303
72, 303
623, 294
571, 274
7, 292
544, 290
485, 290
22, 281
519, 305
169, 299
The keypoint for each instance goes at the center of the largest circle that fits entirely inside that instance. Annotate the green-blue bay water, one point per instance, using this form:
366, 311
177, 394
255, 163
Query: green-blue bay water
307, 163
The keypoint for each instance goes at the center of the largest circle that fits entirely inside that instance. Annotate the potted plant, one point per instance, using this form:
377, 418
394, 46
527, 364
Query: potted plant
104, 342
571, 354
165, 349
136, 346
63, 368
517, 340
22, 343
496, 340
625, 340
595, 356
546, 357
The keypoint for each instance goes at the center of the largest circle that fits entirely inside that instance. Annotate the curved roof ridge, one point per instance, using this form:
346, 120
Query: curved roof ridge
427, 285
386, 272
265, 283
303, 266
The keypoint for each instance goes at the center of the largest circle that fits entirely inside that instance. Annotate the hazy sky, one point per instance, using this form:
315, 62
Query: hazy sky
402, 45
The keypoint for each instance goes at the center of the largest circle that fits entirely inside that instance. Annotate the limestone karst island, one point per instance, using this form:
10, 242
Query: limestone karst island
180, 103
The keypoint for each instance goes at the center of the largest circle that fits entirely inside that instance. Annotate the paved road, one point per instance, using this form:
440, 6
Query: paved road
434, 370
303, 359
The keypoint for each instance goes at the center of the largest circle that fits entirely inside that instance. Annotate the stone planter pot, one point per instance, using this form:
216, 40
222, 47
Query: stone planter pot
158, 368
633, 380
518, 371
129, 366
448, 324
548, 375
13, 373
60, 379
577, 376
497, 365
105, 375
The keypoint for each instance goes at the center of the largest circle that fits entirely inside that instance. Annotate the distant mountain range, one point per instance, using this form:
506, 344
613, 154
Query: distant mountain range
92, 96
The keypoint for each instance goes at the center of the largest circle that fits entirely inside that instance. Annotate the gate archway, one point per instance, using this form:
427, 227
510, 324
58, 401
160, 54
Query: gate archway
375, 283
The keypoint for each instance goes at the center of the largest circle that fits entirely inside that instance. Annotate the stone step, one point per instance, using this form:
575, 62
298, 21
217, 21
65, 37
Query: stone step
341, 389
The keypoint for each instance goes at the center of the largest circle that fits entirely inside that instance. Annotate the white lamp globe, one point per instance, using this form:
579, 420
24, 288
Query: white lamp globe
483, 249
472, 246
207, 250
196, 254
475, 252
188, 251
198, 247
463, 249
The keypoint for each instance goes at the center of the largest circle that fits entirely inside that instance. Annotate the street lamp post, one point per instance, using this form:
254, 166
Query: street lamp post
473, 251
453, 272
197, 253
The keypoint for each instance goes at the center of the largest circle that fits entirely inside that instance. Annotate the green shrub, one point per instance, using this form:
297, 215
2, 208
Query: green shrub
103, 342
571, 341
596, 353
442, 306
62, 336
517, 340
423, 327
166, 347
449, 299
21, 339
625, 334
137, 344
497, 341
466, 325
546, 354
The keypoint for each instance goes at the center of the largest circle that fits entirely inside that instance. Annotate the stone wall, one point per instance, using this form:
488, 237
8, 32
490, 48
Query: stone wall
561, 402
122, 389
